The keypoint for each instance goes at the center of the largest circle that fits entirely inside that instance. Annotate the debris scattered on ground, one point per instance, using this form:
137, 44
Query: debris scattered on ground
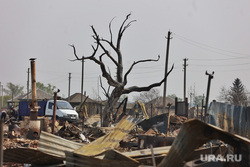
130, 142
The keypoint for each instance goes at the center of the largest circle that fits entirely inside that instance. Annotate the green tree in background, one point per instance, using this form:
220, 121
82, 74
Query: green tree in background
49, 88
237, 94
173, 96
198, 100
13, 90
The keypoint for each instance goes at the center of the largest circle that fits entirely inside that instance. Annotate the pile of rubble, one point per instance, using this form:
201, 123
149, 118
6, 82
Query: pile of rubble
131, 142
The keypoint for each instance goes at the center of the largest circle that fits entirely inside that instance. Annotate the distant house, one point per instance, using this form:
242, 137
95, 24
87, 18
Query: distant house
41, 95
93, 106
156, 106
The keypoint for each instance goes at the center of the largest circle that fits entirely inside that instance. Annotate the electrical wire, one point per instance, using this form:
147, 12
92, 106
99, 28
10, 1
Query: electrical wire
219, 65
212, 49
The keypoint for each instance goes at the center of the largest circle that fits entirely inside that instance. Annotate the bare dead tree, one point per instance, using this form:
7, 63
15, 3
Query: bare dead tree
120, 81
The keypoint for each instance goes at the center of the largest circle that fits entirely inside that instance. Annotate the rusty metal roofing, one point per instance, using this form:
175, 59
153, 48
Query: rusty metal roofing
55, 145
193, 134
77, 160
29, 156
232, 118
110, 140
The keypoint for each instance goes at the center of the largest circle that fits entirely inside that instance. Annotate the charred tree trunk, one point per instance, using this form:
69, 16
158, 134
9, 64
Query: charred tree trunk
108, 109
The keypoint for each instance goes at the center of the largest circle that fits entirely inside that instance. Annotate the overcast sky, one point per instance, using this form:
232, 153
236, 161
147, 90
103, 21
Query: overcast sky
213, 35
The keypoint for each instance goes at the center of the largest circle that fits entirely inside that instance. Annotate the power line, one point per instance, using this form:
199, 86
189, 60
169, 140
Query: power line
208, 46
214, 65
222, 59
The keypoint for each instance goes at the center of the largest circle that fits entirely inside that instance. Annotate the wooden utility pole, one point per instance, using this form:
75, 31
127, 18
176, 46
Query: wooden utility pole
1, 93
28, 81
1, 141
185, 65
166, 71
82, 79
202, 106
169, 107
69, 87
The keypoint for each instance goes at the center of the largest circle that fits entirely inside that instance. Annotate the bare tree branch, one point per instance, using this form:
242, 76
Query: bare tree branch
146, 88
98, 41
105, 74
110, 80
118, 63
118, 51
77, 58
137, 62
106, 93
110, 31
122, 29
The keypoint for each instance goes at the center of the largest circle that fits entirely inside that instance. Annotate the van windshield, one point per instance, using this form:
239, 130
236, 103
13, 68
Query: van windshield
63, 105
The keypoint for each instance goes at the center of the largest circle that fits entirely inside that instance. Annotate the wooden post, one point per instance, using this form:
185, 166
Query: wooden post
101, 115
2, 96
197, 112
153, 156
166, 71
185, 74
1, 142
186, 107
69, 88
28, 82
168, 129
202, 106
176, 105
82, 78
54, 112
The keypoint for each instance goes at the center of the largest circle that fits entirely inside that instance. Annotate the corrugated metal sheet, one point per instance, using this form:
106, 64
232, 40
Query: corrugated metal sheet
234, 119
29, 156
193, 134
115, 155
111, 140
55, 145
147, 152
77, 160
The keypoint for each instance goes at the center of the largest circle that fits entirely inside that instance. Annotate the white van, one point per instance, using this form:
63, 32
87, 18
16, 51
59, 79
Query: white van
63, 110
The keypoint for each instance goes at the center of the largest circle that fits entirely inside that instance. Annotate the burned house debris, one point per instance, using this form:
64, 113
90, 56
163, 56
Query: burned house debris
134, 139
127, 143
